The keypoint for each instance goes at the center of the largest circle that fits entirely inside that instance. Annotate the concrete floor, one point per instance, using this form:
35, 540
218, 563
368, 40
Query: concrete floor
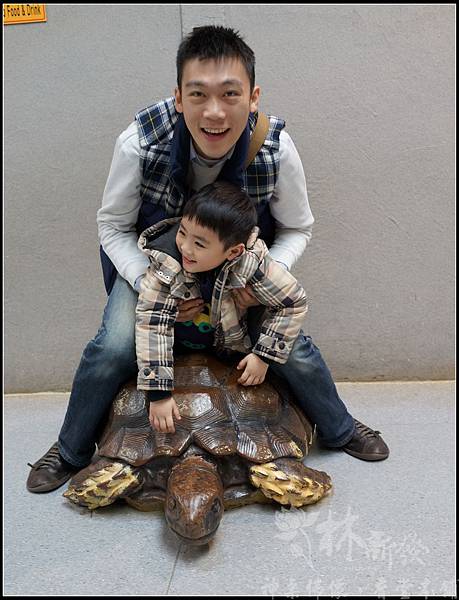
387, 528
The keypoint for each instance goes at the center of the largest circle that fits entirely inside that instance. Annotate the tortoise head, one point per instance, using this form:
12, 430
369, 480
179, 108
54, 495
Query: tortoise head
194, 500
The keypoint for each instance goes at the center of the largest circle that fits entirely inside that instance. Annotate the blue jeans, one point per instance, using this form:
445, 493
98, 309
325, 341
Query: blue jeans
312, 385
109, 360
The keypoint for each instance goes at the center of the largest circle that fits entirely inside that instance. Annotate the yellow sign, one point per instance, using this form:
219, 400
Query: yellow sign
14, 14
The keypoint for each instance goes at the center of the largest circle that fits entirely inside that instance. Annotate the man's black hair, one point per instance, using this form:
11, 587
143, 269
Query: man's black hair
224, 208
215, 42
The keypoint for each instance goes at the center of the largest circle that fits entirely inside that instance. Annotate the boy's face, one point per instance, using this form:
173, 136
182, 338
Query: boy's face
201, 248
215, 100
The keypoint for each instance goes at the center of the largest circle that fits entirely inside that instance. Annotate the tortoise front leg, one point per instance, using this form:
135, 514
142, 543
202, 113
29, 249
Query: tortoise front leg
104, 486
288, 481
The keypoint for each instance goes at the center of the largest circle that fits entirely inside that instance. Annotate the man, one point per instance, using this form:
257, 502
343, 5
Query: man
171, 150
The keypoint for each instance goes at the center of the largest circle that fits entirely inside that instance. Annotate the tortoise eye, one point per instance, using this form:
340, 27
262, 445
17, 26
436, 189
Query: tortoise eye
172, 503
216, 506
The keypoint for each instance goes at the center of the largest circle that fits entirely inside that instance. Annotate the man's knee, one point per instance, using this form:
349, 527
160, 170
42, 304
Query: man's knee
304, 357
112, 350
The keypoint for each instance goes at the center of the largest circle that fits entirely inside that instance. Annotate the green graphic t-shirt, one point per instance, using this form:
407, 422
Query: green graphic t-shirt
198, 334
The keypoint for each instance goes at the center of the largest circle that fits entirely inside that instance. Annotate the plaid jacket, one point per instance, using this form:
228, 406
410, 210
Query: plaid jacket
166, 282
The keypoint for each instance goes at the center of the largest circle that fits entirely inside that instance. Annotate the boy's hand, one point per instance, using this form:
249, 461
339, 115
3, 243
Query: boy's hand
188, 309
255, 370
243, 297
162, 413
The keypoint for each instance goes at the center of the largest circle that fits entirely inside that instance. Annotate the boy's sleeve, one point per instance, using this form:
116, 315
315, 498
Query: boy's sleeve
287, 305
156, 313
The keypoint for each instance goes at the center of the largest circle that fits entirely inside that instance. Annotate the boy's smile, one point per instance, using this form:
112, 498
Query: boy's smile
215, 100
201, 248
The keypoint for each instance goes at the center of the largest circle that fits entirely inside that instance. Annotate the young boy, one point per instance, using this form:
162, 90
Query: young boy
212, 249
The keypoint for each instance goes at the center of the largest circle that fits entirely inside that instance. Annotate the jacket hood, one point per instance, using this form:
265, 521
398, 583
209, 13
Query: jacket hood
158, 243
161, 237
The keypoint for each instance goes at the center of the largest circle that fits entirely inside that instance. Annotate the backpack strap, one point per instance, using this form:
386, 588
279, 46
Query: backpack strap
258, 137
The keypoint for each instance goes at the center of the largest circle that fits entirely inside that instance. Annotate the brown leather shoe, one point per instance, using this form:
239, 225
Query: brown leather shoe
366, 444
50, 472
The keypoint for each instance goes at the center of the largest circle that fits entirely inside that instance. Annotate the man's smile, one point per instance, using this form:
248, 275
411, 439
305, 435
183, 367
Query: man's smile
214, 133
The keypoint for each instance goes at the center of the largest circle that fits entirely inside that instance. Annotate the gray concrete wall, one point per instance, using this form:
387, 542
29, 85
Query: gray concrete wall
368, 96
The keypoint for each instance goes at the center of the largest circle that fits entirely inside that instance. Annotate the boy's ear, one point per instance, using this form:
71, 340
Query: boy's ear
235, 251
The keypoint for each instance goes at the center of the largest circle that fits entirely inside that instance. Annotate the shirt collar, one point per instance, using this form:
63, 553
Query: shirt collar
207, 162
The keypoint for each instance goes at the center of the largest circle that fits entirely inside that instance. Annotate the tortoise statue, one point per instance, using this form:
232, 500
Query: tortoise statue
234, 445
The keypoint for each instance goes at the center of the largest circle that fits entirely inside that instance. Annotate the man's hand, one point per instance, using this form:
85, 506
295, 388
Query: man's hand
243, 297
162, 413
189, 309
255, 370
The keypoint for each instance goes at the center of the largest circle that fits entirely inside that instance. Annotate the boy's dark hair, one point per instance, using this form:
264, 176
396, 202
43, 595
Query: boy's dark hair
215, 42
224, 208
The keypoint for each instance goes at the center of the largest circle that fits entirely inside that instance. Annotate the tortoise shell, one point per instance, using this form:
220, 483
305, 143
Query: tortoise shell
258, 423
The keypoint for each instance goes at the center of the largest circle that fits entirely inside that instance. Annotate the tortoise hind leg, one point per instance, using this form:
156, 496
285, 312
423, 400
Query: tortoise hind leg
288, 481
103, 486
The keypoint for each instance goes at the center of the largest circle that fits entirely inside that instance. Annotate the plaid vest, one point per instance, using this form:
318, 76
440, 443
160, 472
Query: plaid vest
164, 161
164, 158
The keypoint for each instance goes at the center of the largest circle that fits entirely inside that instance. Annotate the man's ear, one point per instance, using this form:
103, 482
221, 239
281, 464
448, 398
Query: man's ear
235, 251
254, 98
178, 100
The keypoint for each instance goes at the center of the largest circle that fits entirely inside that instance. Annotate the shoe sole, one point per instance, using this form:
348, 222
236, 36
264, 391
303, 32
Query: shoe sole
369, 457
49, 487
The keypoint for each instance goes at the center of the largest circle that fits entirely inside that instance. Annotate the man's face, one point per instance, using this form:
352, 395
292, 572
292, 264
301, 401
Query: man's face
201, 248
215, 100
